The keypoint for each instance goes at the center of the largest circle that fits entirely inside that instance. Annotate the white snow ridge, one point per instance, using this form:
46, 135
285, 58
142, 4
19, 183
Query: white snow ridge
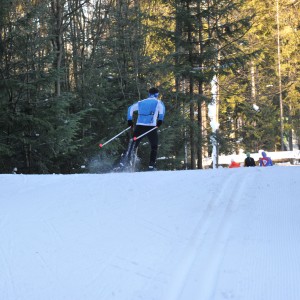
181, 235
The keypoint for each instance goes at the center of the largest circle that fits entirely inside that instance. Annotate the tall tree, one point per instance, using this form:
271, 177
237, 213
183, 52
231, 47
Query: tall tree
38, 127
208, 37
256, 84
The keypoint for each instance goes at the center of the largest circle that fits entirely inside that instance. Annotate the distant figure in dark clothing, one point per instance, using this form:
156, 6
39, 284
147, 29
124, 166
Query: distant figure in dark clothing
249, 161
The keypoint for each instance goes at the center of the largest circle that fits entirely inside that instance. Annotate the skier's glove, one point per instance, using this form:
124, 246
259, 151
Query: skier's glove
159, 122
130, 123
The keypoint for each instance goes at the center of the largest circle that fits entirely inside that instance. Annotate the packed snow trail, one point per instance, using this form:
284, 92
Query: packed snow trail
245, 245
202, 260
196, 235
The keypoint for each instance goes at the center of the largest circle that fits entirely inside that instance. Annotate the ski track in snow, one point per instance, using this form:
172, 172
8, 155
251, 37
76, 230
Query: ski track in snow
201, 260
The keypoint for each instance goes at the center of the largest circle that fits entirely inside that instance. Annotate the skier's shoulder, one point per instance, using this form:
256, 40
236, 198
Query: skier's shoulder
161, 105
146, 100
134, 106
151, 99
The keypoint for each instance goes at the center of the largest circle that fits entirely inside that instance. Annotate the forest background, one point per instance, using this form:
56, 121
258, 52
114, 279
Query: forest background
70, 69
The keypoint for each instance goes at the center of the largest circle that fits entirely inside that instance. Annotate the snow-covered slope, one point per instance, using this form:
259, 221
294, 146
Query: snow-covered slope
184, 235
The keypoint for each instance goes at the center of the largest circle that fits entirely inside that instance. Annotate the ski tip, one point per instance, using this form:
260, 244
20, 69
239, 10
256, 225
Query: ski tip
134, 138
100, 145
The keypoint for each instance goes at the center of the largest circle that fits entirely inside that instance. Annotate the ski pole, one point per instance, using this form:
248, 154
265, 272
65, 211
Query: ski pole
138, 137
101, 145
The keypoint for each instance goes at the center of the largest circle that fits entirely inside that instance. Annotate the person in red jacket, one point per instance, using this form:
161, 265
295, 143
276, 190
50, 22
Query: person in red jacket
234, 164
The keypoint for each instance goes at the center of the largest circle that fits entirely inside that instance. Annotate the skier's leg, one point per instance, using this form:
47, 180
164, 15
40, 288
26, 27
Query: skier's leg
131, 154
138, 131
134, 159
125, 159
153, 139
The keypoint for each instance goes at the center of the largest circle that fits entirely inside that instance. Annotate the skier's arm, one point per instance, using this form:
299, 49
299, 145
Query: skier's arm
131, 109
161, 111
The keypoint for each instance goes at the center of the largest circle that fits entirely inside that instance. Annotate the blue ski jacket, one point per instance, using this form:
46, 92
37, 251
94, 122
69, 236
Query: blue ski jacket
265, 161
149, 111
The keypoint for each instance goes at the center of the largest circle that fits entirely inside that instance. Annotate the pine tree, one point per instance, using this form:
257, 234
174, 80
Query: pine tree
38, 125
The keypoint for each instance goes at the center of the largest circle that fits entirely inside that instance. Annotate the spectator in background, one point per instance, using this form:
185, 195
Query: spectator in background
234, 164
265, 161
249, 161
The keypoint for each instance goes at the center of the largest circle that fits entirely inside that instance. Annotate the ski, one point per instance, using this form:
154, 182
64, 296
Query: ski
128, 160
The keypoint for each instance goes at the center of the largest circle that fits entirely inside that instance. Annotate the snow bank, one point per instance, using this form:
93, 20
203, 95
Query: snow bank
214, 234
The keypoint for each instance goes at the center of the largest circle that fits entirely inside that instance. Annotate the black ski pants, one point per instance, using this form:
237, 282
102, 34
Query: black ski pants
153, 140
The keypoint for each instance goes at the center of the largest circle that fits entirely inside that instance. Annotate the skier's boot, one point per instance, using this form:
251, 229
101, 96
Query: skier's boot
152, 168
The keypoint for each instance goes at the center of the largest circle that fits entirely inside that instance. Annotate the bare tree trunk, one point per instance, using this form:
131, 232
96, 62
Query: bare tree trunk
199, 116
253, 83
279, 76
204, 128
192, 129
57, 41
200, 92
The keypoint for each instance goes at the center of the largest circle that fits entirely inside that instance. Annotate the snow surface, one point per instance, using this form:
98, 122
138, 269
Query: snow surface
181, 235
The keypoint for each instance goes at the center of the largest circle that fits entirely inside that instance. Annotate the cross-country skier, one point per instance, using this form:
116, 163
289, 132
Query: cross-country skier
151, 112
265, 161
249, 161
